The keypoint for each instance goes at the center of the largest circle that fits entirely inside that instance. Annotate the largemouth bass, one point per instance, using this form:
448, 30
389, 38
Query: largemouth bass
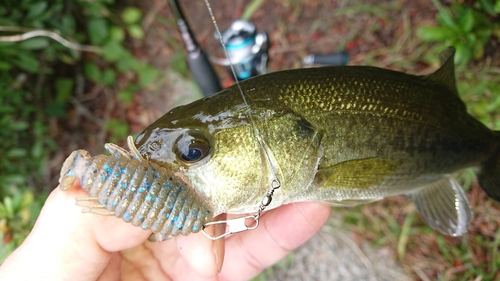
337, 135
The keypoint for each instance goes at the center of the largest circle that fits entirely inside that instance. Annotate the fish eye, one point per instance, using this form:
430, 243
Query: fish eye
191, 147
194, 153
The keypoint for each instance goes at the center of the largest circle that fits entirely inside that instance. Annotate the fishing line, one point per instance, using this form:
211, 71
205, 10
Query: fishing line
219, 34
275, 182
239, 224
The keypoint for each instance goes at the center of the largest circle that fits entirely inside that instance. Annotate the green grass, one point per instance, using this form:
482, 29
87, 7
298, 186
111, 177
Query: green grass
39, 78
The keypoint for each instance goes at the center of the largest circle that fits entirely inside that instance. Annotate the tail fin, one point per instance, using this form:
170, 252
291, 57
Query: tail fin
489, 176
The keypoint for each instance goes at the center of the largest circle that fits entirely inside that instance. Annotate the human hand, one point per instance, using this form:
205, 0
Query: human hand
68, 245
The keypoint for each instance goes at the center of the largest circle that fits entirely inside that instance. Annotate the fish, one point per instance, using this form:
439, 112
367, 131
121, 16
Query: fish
342, 136
142, 193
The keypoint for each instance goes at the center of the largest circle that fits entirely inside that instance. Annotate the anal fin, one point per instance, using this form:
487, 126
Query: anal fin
444, 206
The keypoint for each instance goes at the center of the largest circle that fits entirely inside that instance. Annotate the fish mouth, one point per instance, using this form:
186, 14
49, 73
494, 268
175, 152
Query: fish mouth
177, 208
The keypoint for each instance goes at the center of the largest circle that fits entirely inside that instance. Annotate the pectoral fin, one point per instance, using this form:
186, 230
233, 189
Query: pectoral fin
358, 173
444, 206
349, 203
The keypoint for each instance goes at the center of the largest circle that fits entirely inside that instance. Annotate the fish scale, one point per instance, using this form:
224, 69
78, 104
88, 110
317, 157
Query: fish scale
138, 191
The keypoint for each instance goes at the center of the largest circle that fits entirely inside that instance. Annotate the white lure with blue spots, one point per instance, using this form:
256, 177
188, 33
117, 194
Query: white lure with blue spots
127, 186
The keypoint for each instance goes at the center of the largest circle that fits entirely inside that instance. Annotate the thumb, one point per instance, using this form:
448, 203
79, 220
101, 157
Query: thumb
66, 244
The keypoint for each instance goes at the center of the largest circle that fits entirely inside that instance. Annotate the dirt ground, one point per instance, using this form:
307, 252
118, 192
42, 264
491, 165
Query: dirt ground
381, 35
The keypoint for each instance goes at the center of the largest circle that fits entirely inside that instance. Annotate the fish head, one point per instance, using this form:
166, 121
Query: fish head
210, 143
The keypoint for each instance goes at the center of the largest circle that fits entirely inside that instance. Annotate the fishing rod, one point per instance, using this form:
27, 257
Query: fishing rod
247, 52
199, 65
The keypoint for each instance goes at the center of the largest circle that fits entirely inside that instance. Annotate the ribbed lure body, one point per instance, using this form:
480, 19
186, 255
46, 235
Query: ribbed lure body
138, 191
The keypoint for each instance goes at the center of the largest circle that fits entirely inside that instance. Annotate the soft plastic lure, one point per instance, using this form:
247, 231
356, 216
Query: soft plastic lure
130, 187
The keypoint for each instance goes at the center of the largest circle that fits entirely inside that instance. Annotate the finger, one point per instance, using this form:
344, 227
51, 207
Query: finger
110, 272
280, 231
198, 252
52, 249
140, 263
192, 257
183, 259
66, 244
109, 233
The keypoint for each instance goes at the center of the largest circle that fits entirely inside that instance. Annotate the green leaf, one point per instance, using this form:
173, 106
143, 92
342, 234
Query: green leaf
3, 212
463, 54
36, 43
37, 150
131, 15
179, 63
114, 51
9, 48
433, 33
116, 34
56, 109
135, 31
466, 21
488, 6
36, 9
68, 25
444, 15
28, 62
26, 200
64, 89
68, 59
5, 65
19, 125
147, 75
127, 63
108, 77
7, 202
12, 179
16, 153
98, 30
478, 51
93, 72
117, 128
125, 96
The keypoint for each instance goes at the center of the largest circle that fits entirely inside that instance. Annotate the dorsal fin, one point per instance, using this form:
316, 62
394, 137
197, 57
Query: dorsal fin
445, 75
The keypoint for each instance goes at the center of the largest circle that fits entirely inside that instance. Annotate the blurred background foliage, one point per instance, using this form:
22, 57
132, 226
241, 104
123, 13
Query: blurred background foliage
467, 27
40, 78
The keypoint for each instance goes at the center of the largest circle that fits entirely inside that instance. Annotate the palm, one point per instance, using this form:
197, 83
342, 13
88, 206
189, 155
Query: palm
66, 244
